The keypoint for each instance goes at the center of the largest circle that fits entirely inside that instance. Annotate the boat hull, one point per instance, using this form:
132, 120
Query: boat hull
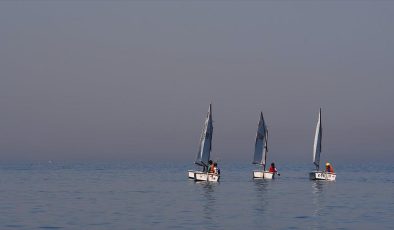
190, 174
203, 176
319, 175
263, 175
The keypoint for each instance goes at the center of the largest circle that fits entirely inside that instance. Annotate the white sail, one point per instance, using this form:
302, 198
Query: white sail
205, 147
261, 145
317, 143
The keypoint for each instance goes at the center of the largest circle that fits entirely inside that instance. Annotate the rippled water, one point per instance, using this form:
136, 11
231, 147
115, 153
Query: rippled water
159, 196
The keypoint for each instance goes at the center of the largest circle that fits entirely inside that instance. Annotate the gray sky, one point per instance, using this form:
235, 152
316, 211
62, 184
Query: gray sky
132, 80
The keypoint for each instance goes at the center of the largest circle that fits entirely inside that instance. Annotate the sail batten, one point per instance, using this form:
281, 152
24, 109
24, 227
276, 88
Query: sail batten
261, 144
317, 143
205, 145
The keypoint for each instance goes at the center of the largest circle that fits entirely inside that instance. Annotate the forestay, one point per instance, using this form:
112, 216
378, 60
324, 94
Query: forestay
261, 145
205, 147
317, 143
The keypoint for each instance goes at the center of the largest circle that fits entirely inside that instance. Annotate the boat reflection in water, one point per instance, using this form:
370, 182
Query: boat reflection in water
261, 188
210, 212
317, 202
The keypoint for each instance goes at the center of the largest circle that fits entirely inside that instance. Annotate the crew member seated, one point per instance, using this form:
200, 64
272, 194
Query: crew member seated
329, 168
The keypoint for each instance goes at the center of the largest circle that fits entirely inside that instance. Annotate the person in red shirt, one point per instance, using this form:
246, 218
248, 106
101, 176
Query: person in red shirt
273, 169
211, 168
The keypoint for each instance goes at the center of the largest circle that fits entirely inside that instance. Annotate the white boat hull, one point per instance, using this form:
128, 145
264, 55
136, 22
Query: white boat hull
318, 175
263, 175
203, 176
191, 174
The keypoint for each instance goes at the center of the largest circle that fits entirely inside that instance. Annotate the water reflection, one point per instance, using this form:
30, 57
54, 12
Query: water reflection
317, 197
317, 186
261, 188
209, 203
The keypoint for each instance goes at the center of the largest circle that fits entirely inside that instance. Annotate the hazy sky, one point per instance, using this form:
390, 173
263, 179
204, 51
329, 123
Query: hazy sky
132, 80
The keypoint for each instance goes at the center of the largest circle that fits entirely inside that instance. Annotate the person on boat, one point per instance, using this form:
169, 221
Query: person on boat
273, 169
216, 168
329, 168
211, 167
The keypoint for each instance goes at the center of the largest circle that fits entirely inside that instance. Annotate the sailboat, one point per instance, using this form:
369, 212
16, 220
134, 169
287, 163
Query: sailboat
204, 152
261, 150
317, 174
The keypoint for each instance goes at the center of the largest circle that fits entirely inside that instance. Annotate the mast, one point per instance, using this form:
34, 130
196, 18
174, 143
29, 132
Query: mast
266, 148
317, 143
205, 144
261, 146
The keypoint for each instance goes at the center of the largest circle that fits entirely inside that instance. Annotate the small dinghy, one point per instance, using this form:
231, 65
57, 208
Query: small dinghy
204, 152
261, 150
317, 174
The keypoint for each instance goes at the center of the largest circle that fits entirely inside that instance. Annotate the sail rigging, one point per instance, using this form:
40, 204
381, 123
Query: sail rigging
205, 145
261, 144
317, 143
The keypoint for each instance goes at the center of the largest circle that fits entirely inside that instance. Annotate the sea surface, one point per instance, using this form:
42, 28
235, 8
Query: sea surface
159, 196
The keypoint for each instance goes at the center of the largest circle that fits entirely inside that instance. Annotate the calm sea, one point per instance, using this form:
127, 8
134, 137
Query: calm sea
159, 196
